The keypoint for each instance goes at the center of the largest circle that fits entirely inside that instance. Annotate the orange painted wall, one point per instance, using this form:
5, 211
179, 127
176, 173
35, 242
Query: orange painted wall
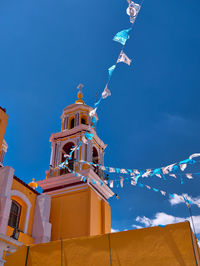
78, 213
95, 214
69, 215
24, 238
3, 125
107, 217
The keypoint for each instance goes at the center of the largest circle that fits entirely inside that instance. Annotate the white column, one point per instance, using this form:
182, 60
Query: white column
89, 151
41, 226
67, 121
52, 153
101, 157
58, 154
1, 257
6, 178
83, 151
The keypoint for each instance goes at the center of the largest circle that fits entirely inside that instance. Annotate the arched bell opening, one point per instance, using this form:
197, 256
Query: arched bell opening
66, 151
95, 160
71, 123
84, 120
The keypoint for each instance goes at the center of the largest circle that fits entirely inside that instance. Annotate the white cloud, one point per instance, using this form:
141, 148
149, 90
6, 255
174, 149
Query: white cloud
164, 218
137, 226
114, 230
177, 200
143, 220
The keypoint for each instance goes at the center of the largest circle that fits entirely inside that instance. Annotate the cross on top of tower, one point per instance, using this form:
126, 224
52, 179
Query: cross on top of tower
80, 94
80, 86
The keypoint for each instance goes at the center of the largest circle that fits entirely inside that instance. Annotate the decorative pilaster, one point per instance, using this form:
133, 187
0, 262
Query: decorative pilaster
6, 177
89, 151
41, 226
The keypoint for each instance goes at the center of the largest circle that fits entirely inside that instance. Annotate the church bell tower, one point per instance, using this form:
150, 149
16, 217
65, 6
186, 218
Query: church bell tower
77, 208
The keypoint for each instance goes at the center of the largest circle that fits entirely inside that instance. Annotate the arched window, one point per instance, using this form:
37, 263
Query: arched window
66, 150
71, 123
83, 121
15, 212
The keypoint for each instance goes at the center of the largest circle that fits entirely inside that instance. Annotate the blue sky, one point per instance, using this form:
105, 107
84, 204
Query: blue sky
152, 118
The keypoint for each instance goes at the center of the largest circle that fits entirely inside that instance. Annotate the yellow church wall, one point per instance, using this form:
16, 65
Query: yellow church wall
78, 213
106, 217
69, 215
95, 214
3, 125
24, 238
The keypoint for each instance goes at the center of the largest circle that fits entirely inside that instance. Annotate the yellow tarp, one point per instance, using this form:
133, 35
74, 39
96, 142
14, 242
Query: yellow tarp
171, 245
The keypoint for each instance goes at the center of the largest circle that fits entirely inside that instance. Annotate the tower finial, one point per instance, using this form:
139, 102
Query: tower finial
33, 184
80, 94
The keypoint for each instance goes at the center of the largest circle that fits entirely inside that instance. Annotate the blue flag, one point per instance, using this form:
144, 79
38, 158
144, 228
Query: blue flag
97, 103
111, 69
122, 36
89, 135
94, 121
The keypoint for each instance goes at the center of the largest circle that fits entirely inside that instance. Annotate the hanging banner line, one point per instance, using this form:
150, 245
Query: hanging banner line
158, 172
120, 183
162, 192
121, 37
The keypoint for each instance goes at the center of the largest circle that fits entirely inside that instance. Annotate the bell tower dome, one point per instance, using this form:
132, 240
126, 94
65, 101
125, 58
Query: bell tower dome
77, 208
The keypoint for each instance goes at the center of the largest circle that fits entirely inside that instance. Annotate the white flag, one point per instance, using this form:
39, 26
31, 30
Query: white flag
163, 192
93, 112
133, 183
124, 58
111, 183
102, 167
159, 175
121, 181
194, 155
133, 10
189, 176
170, 166
112, 170
183, 166
147, 173
123, 171
106, 93
165, 170
84, 140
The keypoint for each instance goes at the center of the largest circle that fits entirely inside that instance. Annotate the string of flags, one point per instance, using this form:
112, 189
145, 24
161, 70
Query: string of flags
132, 10
121, 37
168, 170
162, 192
131, 179
133, 176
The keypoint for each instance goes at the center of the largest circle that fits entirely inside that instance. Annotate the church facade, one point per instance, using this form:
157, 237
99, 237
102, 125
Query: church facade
68, 207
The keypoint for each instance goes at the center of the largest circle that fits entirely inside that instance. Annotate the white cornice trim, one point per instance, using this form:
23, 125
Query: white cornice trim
70, 179
74, 131
10, 240
66, 190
